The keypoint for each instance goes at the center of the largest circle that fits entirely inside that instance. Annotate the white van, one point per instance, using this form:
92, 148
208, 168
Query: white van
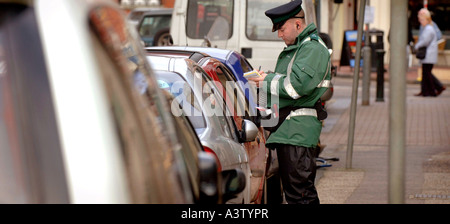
236, 25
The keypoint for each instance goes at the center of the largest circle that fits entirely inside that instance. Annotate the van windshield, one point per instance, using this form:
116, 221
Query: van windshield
258, 25
204, 16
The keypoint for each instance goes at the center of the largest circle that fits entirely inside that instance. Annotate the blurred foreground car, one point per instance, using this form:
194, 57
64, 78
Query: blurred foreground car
204, 106
92, 128
237, 104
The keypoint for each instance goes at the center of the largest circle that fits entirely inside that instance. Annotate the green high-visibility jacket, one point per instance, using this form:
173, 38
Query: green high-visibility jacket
308, 79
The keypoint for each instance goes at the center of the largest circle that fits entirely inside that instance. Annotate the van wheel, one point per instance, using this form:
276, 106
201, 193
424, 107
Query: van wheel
163, 38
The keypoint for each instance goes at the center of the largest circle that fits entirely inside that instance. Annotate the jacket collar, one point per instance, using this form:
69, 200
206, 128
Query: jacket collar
310, 29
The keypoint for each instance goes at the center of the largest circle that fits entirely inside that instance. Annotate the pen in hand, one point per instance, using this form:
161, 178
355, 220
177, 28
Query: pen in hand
261, 77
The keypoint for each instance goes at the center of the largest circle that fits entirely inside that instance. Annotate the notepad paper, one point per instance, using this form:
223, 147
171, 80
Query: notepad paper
251, 74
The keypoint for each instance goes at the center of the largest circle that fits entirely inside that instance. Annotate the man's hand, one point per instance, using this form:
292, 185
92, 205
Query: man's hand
257, 80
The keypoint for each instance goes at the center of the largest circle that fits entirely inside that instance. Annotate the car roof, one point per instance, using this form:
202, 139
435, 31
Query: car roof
158, 11
222, 55
177, 52
214, 52
179, 65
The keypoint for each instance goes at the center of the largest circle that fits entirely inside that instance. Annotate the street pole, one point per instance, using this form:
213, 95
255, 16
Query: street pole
380, 74
351, 129
367, 67
397, 113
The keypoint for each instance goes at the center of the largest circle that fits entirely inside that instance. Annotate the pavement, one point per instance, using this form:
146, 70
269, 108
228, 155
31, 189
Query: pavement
427, 150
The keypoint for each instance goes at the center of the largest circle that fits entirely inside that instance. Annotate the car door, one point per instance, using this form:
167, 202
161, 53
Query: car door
230, 134
256, 150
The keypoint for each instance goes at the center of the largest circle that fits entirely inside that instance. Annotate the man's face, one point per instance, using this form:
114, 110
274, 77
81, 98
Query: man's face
289, 31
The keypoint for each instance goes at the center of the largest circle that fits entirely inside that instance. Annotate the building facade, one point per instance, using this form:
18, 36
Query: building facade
337, 16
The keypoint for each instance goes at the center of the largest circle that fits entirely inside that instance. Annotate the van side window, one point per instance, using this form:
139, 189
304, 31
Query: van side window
258, 25
203, 14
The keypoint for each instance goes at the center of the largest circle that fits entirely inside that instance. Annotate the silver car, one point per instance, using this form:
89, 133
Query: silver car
234, 93
200, 99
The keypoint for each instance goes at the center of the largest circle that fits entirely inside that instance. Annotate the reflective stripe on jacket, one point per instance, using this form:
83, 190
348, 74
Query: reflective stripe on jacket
300, 84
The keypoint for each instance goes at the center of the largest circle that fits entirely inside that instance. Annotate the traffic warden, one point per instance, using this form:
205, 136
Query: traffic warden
301, 76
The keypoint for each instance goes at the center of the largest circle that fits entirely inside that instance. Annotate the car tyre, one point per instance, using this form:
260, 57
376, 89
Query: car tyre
163, 38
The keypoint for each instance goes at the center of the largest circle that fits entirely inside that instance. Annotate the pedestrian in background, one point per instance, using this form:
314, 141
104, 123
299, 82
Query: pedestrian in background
435, 26
430, 85
301, 76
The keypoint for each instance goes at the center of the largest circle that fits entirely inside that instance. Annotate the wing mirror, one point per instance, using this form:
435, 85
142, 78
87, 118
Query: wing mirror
210, 191
249, 131
215, 187
233, 183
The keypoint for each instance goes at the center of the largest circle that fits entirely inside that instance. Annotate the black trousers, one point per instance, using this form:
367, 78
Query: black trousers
297, 169
429, 84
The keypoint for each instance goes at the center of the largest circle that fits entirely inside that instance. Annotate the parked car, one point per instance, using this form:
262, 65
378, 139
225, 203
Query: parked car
154, 27
135, 15
200, 99
238, 106
233, 61
202, 164
89, 125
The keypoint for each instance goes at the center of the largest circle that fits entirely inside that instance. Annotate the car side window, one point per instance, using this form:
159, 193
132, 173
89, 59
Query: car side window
184, 98
190, 144
211, 95
232, 89
245, 65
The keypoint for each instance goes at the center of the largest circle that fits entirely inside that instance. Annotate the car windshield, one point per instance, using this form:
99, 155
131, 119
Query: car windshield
152, 24
184, 98
135, 15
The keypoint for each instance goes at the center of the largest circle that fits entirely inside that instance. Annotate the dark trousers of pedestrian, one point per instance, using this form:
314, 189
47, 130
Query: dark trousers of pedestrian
429, 84
437, 83
297, 169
